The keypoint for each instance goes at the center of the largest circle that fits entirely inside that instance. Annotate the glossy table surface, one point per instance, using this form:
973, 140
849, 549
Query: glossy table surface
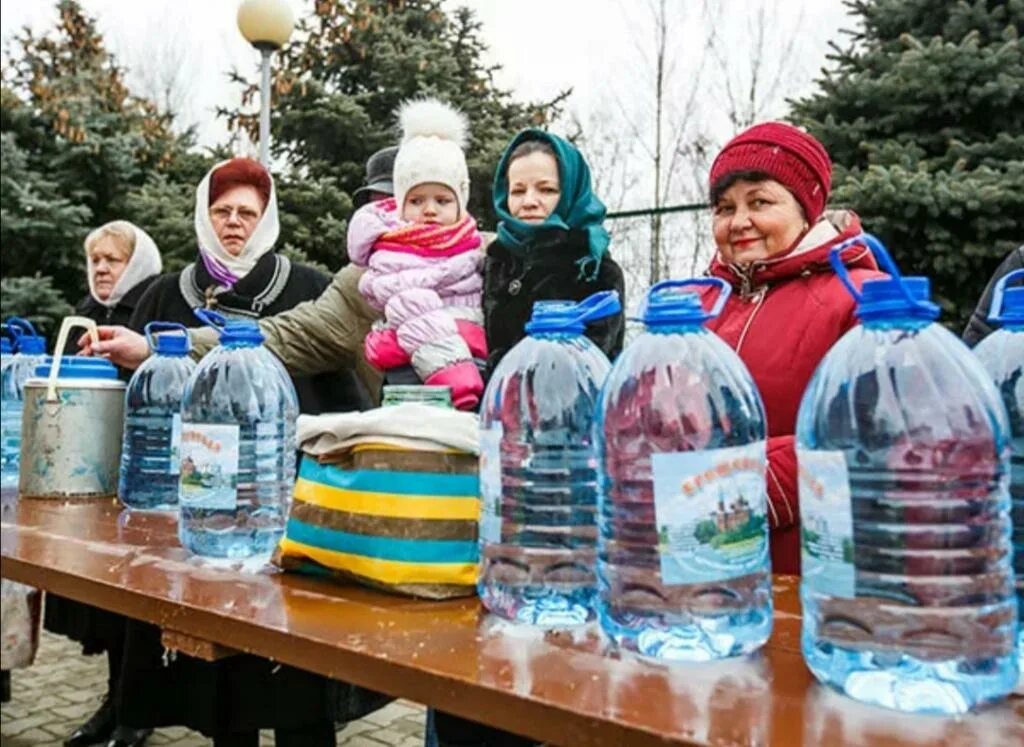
566, 688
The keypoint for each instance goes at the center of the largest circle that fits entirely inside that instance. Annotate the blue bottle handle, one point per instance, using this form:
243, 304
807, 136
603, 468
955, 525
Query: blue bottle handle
995, 313
18, 327
885, 260
210, 318
725, 290
151, 328
598, 306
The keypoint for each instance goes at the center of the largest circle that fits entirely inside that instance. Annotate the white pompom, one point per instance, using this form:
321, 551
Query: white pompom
432, 118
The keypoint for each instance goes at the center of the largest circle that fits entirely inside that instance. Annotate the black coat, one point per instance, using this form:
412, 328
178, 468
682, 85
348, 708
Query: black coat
547, 271
274, 285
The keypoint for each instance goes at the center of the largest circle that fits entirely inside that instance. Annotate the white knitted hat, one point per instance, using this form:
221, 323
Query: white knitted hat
433, 136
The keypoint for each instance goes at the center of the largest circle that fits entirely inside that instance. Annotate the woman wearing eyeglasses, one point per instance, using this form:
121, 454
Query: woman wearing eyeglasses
238, 274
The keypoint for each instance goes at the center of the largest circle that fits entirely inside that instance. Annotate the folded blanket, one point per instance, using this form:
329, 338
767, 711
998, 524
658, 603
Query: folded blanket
409, 426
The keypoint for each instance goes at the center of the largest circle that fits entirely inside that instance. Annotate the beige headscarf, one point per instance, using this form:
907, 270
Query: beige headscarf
144, 261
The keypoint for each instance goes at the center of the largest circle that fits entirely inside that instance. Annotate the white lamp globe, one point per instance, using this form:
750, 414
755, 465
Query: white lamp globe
266, 24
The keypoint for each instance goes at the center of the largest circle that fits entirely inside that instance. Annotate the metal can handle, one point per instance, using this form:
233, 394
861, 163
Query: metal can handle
69, 323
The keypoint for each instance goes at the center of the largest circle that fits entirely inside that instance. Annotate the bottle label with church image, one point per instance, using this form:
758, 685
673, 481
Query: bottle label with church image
710, 512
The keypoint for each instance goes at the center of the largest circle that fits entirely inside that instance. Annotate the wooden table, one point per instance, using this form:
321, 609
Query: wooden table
566, 689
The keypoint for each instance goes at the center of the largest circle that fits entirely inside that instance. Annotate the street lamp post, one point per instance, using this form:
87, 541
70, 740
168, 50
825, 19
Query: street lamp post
266, 24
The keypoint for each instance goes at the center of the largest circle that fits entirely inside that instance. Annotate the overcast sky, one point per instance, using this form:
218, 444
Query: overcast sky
544, 46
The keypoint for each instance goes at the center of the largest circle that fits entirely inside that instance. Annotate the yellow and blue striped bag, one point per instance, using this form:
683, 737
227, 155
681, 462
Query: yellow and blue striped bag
396, 519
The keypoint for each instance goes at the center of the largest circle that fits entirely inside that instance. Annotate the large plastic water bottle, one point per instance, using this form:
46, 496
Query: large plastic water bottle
684, 564
902, 444
237, 450
6, 416
538, 469
152, 422
6, 349
29, 350
1002, 355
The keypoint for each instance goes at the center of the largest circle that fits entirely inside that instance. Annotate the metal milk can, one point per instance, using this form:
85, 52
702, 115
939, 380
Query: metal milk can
71, 425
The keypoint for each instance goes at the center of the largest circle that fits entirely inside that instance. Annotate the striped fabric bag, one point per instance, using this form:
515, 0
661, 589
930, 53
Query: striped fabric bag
393, 518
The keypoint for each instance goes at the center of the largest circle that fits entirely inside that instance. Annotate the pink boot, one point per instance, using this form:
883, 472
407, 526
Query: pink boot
474, 336
383, 351
464, 381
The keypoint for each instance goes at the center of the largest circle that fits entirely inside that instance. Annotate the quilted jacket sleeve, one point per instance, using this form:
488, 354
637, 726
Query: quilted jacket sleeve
426, 330
367, 225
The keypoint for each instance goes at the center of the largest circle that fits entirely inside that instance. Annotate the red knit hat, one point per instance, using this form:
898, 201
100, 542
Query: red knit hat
788, 155
240, 172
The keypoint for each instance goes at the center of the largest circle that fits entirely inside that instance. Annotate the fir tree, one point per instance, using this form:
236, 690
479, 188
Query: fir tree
923, 115
34, 298
76, 144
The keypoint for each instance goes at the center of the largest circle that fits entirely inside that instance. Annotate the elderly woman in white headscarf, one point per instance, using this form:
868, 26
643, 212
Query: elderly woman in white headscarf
121, 263
238, 274
236, 270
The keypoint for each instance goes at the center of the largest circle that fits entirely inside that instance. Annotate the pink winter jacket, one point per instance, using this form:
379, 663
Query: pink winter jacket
430, 293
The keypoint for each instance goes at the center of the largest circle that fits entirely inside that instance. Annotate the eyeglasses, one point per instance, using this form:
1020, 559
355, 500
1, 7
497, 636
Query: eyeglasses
223, 213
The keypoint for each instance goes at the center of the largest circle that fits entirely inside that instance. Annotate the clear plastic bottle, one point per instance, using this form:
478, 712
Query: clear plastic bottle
152, 423
237, 449
902, 444
684, 564
538, 469
6, 349
1002, 355
29, 350
8, 448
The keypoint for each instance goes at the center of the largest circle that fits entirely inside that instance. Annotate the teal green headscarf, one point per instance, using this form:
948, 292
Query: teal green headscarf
578, 207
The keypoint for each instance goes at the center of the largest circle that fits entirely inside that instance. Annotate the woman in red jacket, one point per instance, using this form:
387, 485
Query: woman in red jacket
768, 188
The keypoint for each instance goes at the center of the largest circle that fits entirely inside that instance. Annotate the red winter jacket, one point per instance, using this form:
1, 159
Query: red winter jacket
782, 317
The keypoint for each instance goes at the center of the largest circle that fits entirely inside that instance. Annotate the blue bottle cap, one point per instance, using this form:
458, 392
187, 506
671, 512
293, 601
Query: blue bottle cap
243, 332
78, 367
166, 344
26, 340
669, 304
5, 346
893, 298
897, 298
1008, 303
32, 344
551, 317
237, 332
